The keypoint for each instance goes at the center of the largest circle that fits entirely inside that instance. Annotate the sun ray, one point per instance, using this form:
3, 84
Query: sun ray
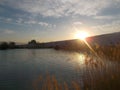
91, 48
82, 35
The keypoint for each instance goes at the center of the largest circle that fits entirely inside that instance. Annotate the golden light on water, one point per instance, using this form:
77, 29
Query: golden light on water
82, 35
81, 58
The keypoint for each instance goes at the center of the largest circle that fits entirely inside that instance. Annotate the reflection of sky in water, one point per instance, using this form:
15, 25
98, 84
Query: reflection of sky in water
18, 68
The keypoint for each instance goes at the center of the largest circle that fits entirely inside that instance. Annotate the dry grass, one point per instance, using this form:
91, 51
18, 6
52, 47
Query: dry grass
109, 79
98, 78
51, 83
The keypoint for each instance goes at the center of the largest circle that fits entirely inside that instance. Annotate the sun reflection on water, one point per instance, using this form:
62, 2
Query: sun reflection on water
81, 59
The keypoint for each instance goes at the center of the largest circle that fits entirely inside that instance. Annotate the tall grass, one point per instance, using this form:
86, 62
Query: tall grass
105, 78
51, 83
98, 75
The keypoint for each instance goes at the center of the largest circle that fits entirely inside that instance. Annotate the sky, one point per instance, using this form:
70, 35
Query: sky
53, 20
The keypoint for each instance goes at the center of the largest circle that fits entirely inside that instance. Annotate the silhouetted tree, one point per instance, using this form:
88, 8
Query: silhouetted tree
32, 42
12, 45
4, 45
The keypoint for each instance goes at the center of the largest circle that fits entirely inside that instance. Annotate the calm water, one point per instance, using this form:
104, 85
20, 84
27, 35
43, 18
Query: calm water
19, 68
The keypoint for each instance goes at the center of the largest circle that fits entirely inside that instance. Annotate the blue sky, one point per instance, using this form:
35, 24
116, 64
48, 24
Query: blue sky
52, 20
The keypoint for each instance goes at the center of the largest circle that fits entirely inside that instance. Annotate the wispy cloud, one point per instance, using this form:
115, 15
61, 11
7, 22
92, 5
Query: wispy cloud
77, 23
6, 20
59, 8
58, 17
108, 27
7, 31
19, 20
22, 21
35, 22
104, 17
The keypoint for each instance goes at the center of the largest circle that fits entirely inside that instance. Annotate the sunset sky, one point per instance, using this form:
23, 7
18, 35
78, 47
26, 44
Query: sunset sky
52, 20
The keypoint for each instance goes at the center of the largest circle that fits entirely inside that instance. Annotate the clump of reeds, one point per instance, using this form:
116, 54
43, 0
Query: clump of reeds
104, 79
49, 82
109, 52
98, 78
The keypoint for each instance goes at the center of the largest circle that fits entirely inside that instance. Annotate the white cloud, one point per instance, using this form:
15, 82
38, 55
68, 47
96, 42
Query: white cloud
77, 23
8, 19
7, 31
19, 20
30, 22
107, 17
43, 24
35, 22
104, 17
108, 27
59, 8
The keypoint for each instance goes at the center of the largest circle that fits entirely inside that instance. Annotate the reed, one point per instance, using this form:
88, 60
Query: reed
98, 78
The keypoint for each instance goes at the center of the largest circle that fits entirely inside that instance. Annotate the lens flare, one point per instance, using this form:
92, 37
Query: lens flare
82, 35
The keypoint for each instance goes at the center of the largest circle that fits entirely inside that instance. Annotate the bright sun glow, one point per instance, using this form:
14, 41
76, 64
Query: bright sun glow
81, 35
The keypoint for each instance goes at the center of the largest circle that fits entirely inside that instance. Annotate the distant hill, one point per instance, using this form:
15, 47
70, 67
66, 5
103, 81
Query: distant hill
106, 39
76, 44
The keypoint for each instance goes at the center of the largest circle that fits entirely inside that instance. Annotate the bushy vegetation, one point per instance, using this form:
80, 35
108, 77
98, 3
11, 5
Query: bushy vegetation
5, 45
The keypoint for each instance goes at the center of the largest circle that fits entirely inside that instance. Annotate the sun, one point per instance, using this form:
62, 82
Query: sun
82, 35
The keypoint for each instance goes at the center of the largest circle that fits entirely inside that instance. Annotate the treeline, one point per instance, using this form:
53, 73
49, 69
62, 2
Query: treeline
5, 45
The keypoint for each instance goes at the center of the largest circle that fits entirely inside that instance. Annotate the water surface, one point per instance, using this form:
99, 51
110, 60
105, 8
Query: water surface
19, 68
